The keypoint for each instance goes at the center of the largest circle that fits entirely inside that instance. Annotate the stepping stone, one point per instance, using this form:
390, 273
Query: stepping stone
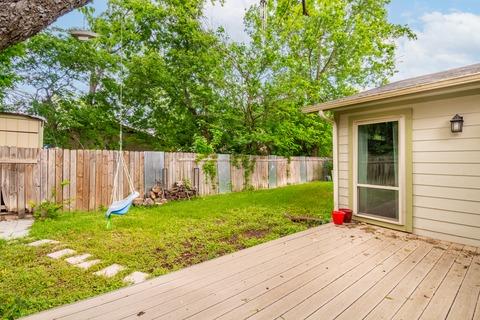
78, 259
110, 271
61, 253
42, 242
15, 229
87, 264
136, 277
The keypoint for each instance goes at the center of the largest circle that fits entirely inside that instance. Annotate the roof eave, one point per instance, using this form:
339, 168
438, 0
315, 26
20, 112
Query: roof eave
464, 80
19, 114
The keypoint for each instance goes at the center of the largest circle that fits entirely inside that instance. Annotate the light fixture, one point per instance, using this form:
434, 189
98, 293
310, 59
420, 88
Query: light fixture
456, 124
83, 35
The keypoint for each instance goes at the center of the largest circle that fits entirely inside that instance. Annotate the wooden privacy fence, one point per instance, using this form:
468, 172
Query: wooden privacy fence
32, 175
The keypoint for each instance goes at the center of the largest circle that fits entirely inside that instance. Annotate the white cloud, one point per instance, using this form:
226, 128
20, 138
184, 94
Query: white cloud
444, 41
230, 16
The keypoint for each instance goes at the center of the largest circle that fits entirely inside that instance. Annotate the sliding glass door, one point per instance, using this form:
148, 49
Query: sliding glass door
378, 170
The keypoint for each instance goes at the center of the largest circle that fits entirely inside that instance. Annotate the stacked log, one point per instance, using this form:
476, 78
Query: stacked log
158, 195
181, 191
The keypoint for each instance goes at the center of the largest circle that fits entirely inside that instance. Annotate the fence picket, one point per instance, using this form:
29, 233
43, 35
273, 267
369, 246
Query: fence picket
21, 184
98, 178
92, 179
73, 180
80, 184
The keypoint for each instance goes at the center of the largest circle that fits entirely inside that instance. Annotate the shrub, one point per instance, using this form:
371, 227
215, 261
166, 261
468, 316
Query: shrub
49, 208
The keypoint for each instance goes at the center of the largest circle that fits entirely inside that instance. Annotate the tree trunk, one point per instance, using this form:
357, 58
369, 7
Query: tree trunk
21, 19
304, 7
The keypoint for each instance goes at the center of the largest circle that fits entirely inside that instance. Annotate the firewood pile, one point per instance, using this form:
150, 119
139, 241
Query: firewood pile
158, 195
181, 191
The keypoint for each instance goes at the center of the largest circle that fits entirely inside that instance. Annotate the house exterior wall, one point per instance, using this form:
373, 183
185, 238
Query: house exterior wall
20, 131
446, 167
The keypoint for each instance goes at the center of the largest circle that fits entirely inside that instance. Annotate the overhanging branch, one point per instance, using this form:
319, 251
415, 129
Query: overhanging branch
21, 19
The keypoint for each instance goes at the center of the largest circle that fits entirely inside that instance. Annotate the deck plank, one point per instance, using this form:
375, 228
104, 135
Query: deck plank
419, 299
320, 276
468, 295
229, 298
178, 296
198, 269
476, 316
394, 300
380, 291
294, 294
335, 306
325, 272
444, 297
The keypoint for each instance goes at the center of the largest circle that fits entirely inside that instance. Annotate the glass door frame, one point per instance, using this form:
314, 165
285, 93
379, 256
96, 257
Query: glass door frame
401, 169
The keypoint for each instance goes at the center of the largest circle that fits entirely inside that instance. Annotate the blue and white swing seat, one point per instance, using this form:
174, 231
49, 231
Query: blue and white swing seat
121, 206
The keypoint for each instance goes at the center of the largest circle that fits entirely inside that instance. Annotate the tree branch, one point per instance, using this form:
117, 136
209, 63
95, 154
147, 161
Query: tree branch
304, 8
22, 19
325, 66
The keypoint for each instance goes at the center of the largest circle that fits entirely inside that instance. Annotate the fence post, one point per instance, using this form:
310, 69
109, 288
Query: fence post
303, 169
224, 175
272, 172
154, 163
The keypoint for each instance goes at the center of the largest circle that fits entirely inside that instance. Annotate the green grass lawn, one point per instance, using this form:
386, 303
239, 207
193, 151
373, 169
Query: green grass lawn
154, 240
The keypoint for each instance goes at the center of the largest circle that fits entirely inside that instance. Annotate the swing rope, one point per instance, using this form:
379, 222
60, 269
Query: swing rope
120, 206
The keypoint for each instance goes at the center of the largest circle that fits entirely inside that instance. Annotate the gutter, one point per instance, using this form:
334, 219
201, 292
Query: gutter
334, 156
395, 93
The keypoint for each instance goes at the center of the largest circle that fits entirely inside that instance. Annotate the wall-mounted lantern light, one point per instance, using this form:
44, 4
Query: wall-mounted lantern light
456, 124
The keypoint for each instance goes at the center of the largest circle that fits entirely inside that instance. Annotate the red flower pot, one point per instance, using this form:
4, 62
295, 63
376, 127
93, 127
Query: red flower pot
348, 214
338, 217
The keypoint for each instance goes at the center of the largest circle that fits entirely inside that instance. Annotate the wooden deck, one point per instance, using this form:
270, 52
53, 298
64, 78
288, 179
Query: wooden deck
358, 272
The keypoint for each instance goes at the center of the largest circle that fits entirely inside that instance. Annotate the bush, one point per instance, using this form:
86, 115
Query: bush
49, 208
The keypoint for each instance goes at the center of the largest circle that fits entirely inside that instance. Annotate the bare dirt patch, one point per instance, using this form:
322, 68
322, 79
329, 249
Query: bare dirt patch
257, 234
235, 241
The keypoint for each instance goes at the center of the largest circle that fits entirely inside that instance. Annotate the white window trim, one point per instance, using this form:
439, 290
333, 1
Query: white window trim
401, 168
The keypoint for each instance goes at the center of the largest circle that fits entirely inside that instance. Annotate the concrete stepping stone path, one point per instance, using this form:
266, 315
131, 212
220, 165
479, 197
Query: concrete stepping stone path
42, 242
15, 229
78, 259
110, 271
81, 261
88, 264
62, 253
135, 277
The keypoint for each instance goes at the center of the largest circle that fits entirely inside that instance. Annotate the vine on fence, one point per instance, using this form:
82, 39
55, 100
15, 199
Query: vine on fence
209, 167
248, 164
289, 160
206, 153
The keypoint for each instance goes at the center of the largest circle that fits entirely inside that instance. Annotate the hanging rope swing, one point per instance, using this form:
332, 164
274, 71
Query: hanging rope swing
120, 206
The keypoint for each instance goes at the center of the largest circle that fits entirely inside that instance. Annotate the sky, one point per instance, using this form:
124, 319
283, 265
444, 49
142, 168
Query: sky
448, 31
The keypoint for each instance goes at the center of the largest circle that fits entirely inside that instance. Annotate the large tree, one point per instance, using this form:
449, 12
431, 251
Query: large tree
21, 19
302, 53
196, 90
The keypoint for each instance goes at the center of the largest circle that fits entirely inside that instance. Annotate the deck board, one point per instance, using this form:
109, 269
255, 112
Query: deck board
468, 294
445, 295
207, 286
329, 280
326, 272
393, 301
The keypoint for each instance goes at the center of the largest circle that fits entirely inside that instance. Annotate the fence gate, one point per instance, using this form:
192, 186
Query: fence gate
19, 179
